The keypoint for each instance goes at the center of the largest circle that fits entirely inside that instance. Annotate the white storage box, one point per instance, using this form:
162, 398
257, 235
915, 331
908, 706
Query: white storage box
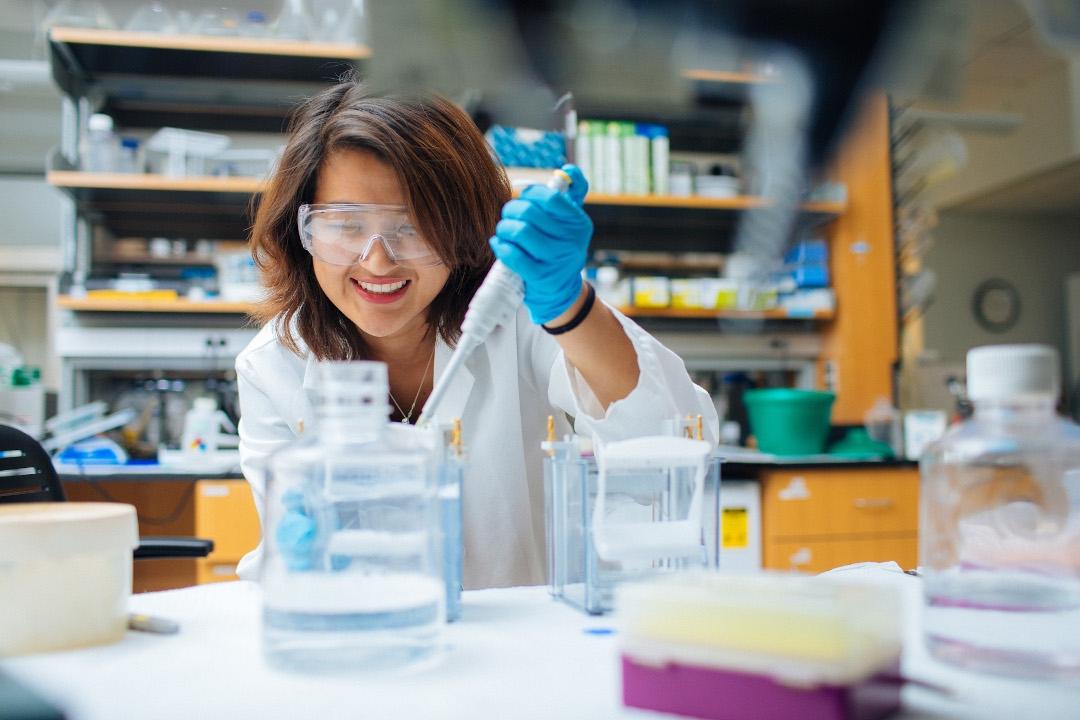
647, 507
65, 574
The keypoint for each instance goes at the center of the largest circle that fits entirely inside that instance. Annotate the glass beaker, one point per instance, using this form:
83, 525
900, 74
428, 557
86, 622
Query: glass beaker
353, 574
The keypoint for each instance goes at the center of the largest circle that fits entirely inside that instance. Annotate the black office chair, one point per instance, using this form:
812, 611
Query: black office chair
27, 475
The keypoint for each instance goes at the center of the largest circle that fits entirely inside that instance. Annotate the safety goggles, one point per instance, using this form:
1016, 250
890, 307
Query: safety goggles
345, 233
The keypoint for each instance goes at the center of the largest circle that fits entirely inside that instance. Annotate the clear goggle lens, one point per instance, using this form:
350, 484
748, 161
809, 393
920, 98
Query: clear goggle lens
344, 234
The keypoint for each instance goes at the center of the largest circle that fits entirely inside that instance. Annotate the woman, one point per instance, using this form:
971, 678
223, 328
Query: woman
372, 237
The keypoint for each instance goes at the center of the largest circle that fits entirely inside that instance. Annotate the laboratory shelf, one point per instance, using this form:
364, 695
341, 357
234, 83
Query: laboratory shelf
79, 180
141, 305
151, 205
219, 207
195, 82
712, 314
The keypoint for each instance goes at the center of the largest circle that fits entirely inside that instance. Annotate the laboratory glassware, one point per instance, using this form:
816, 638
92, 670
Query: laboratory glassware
353, 575
79, 13
152, 17
293, 22
640, 508
1000, 523
451, 463
219, 21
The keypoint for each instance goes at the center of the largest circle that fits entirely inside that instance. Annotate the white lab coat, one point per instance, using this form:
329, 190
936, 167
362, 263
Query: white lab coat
503, 395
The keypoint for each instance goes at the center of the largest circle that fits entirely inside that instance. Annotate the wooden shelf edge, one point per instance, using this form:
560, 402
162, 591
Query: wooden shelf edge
86, 304
739, 202
134, 181
207, 43
706, 314
699, 202
730, 77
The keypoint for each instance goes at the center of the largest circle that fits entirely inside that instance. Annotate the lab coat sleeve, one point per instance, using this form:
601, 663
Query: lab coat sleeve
663, 392
262, 428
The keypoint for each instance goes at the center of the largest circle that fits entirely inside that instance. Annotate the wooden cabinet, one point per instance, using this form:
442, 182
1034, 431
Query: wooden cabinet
816, 519
225, 513
861, 344
218, 510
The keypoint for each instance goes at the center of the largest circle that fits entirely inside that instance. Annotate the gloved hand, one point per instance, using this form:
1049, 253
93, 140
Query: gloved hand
296, 533
297, 536
544, 237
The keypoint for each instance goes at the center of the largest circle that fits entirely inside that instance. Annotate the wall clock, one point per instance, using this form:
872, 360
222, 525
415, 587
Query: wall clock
996, 305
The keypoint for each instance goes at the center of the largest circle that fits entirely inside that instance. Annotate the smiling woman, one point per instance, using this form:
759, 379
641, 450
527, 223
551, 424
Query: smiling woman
349, 147
382, 220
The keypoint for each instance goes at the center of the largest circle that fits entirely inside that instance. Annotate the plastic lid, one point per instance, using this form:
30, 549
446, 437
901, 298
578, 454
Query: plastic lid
23, 376
100, 121
343, 388
34, 530
129, 142
1002, 372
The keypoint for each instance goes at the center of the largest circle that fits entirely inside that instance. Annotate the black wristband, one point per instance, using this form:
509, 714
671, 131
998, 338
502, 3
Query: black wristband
590, 298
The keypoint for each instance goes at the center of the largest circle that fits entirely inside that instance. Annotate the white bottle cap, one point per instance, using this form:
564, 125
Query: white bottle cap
206, 404
607, 275
100, 121
1003, 372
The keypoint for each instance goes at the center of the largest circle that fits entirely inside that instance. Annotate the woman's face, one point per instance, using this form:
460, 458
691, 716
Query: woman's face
367, 292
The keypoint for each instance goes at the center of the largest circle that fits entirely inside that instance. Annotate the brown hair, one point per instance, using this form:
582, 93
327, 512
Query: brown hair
454, 189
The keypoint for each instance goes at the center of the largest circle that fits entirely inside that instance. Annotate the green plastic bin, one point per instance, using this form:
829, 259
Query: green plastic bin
789, 422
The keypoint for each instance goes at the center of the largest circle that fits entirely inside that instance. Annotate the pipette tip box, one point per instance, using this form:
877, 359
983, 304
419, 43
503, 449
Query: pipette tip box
760, 646
721, 694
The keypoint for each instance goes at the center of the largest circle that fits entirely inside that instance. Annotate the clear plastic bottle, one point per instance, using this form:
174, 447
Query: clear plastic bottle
293, 22
254, 25
129, 159
1000, 524
352, 574
100, 148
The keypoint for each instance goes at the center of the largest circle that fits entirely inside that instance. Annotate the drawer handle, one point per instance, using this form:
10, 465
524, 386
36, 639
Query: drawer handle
873, 503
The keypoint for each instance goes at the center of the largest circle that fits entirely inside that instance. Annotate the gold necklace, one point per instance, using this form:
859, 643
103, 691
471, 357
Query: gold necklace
407, 416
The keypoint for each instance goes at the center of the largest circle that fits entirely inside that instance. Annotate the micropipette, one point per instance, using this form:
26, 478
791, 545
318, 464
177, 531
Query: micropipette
494, 304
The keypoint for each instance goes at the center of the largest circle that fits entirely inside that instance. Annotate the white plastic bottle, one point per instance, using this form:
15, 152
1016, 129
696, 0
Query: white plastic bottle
1000, 523
100, 148
202, 428
352, 572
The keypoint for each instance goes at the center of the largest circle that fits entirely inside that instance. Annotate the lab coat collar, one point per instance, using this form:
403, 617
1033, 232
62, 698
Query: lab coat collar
457, 395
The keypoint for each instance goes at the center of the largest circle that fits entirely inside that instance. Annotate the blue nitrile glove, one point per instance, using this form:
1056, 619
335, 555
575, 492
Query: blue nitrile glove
296, 533
544, 237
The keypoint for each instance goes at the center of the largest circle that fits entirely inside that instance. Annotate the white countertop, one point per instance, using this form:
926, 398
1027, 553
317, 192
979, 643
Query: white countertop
516, 653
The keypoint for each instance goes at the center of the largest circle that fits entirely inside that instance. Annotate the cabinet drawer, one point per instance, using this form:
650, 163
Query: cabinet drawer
209, 571
225, 513
820, 503
818, 556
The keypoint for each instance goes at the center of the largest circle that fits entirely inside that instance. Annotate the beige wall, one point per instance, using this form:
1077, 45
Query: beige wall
1034, 253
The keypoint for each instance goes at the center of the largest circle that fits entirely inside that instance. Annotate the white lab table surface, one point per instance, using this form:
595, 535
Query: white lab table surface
516, 653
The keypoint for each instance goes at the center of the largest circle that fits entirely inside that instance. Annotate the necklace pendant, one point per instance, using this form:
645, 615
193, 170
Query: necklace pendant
404, 421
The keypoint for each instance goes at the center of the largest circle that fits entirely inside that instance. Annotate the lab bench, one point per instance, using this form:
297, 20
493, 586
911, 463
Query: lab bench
515, 653
820, 513
218, 508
